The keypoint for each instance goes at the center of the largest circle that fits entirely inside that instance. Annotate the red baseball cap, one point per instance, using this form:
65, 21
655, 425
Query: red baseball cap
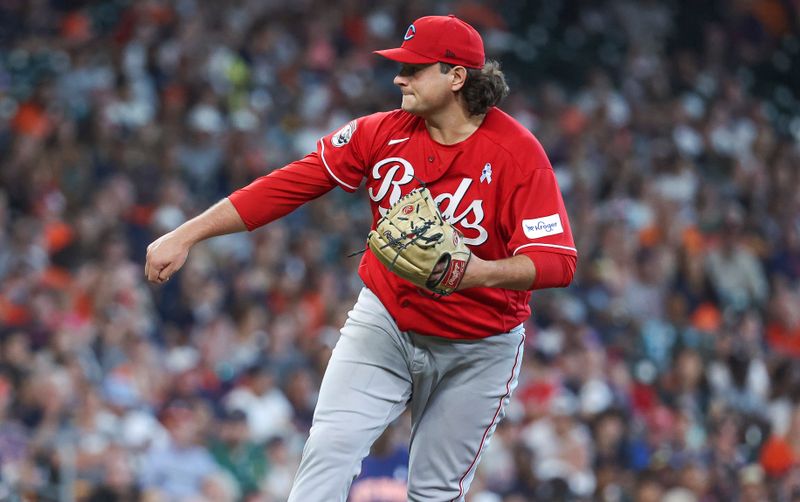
433, 39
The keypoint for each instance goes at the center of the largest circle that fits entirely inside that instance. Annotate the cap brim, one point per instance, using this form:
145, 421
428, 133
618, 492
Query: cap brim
402, 55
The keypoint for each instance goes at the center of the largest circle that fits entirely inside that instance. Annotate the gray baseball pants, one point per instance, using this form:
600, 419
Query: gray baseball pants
457, 391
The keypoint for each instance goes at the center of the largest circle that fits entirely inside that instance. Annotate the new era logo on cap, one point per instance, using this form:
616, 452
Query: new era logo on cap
445, 39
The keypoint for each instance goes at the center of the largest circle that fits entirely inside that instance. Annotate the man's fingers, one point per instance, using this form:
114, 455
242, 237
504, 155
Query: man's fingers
165, 273
163, 259
148, 263
153, 273
153, 270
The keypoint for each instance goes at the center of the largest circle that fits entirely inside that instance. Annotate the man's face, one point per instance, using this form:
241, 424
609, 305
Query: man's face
425, 88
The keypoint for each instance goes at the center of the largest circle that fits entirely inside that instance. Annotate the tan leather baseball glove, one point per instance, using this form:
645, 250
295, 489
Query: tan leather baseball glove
416, 243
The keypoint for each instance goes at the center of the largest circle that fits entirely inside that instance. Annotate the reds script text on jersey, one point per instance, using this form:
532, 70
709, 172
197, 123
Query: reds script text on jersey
497, 187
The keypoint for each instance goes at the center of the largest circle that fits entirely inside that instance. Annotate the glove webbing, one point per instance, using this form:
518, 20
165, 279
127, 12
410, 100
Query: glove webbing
402, 242
397, 243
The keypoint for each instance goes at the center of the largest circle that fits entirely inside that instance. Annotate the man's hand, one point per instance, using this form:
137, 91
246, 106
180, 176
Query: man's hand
165, 256
417, 244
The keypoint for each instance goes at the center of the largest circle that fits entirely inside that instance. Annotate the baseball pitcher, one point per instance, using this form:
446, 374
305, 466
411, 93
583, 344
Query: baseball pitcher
468, 219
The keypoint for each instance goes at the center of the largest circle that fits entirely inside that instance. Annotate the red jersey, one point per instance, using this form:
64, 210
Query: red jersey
497, 187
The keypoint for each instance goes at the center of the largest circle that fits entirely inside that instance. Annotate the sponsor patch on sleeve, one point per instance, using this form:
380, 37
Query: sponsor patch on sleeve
542, 227
343, 135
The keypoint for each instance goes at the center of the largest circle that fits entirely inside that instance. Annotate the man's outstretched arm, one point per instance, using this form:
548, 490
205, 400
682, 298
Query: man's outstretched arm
264, 200
167, 254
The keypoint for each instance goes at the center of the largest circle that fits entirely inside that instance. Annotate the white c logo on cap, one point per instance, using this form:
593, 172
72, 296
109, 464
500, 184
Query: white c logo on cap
410, 32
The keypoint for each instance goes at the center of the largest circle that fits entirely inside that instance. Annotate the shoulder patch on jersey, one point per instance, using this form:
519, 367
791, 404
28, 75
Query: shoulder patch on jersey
543, 227
343, 135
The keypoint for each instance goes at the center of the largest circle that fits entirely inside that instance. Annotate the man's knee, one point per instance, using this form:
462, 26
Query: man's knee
329, 442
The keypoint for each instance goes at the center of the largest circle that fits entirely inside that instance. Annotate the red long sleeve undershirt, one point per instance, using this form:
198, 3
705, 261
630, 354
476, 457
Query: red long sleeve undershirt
553, 270
280, 192
277, 194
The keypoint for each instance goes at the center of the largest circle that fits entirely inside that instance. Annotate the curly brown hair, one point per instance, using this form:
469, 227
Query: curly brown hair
485, 87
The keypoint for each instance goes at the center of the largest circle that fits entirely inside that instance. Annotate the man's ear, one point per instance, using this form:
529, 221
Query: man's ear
458, 77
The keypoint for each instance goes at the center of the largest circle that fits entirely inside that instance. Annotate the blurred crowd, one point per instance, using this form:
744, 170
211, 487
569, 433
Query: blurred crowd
668, 371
